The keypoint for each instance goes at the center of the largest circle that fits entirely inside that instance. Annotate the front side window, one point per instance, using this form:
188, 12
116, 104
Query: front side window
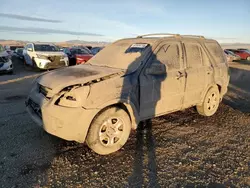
169, 54
216, 51
1, 48
45, 48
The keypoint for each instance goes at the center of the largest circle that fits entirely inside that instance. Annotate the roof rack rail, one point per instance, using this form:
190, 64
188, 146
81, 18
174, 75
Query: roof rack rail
157, 34
171, 34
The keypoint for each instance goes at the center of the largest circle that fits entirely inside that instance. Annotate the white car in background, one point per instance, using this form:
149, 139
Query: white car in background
44, 56
5, 61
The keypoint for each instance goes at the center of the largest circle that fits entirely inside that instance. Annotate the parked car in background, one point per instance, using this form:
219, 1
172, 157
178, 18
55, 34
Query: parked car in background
19, 53
77, 55
8, 50
83, 47
89, 47
13, 48
95, 50
129, 81
44, 56
231, 56
6, 65
244, 49
242, 53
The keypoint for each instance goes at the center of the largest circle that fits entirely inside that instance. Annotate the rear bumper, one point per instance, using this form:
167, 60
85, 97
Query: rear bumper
67, 123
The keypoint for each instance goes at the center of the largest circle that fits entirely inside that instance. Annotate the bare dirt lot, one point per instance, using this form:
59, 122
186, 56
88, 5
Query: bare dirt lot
182, 149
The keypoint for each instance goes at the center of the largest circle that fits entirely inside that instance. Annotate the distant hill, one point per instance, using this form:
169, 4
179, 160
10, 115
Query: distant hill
235, 45
102, 43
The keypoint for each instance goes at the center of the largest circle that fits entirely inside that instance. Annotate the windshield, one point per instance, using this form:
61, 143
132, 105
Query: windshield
78, 51
20, 50
124, 54
45, 48
1, 48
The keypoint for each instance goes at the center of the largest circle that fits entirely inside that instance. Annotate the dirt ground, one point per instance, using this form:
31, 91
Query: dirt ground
181, 149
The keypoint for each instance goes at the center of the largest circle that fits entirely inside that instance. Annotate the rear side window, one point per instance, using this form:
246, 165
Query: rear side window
194, 56
216, 51
169, 55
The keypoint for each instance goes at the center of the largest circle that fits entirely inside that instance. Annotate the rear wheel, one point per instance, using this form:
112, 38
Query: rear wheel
109, 131
248, 58
210, 103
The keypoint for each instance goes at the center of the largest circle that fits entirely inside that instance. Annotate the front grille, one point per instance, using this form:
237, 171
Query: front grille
4, 59
43, 90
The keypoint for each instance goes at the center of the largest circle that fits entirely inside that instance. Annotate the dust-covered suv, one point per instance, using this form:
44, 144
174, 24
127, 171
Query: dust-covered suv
129, 81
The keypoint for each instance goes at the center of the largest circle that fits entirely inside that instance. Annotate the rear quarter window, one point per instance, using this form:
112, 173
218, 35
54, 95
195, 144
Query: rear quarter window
216, 51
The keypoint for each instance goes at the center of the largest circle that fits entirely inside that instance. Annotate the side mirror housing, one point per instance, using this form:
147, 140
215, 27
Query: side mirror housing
30, 49
156, 69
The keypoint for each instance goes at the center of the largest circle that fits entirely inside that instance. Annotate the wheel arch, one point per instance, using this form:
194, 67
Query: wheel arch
127, 106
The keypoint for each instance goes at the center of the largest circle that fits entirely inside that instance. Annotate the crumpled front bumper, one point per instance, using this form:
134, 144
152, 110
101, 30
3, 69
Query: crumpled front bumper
67, 123
6, 67
47, 64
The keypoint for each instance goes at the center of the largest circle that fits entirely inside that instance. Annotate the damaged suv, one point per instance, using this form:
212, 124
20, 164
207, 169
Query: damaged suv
127, 82
6, 65
44, 56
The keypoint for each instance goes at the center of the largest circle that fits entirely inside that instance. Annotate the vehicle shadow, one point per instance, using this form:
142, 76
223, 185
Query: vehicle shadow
144, 93
238, 95
145, 149
244, 62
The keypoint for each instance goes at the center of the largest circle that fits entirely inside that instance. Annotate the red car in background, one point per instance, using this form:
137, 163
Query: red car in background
77, 56
244, 54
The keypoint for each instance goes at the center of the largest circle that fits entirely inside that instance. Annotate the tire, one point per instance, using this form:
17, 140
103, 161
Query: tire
210, 103
248, 58
11, 72
109, 131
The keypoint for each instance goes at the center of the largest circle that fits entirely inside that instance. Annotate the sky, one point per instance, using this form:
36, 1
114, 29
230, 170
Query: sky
98, 20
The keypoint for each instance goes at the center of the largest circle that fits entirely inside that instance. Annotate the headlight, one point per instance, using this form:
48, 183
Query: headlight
41, 56
74, 98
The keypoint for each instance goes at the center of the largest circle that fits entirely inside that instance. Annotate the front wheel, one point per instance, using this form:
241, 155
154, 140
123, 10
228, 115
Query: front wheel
109, 131
248, 58
210, 103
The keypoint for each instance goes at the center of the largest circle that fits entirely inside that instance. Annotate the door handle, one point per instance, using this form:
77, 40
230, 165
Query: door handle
179, 75
209, 70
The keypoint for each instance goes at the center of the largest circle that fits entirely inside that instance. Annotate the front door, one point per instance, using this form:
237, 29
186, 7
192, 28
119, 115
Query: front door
199, 73
27, 54
160, 94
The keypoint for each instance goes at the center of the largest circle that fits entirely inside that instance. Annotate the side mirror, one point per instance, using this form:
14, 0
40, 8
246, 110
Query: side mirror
156, 69
30, 49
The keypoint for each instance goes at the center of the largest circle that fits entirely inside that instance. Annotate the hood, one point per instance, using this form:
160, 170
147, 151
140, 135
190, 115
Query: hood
51, 53
69, 76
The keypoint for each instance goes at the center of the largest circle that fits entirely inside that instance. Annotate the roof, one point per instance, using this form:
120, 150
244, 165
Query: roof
156, 38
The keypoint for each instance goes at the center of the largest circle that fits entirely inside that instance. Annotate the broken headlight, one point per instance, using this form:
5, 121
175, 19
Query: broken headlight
73, 98
41, 56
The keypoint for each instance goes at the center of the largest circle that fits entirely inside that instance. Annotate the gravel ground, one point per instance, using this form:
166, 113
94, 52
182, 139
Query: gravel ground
182, 149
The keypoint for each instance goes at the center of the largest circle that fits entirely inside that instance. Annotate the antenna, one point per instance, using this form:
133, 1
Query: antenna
158, 34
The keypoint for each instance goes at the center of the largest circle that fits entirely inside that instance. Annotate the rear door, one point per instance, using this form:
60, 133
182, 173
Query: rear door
199, 73
219, 62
